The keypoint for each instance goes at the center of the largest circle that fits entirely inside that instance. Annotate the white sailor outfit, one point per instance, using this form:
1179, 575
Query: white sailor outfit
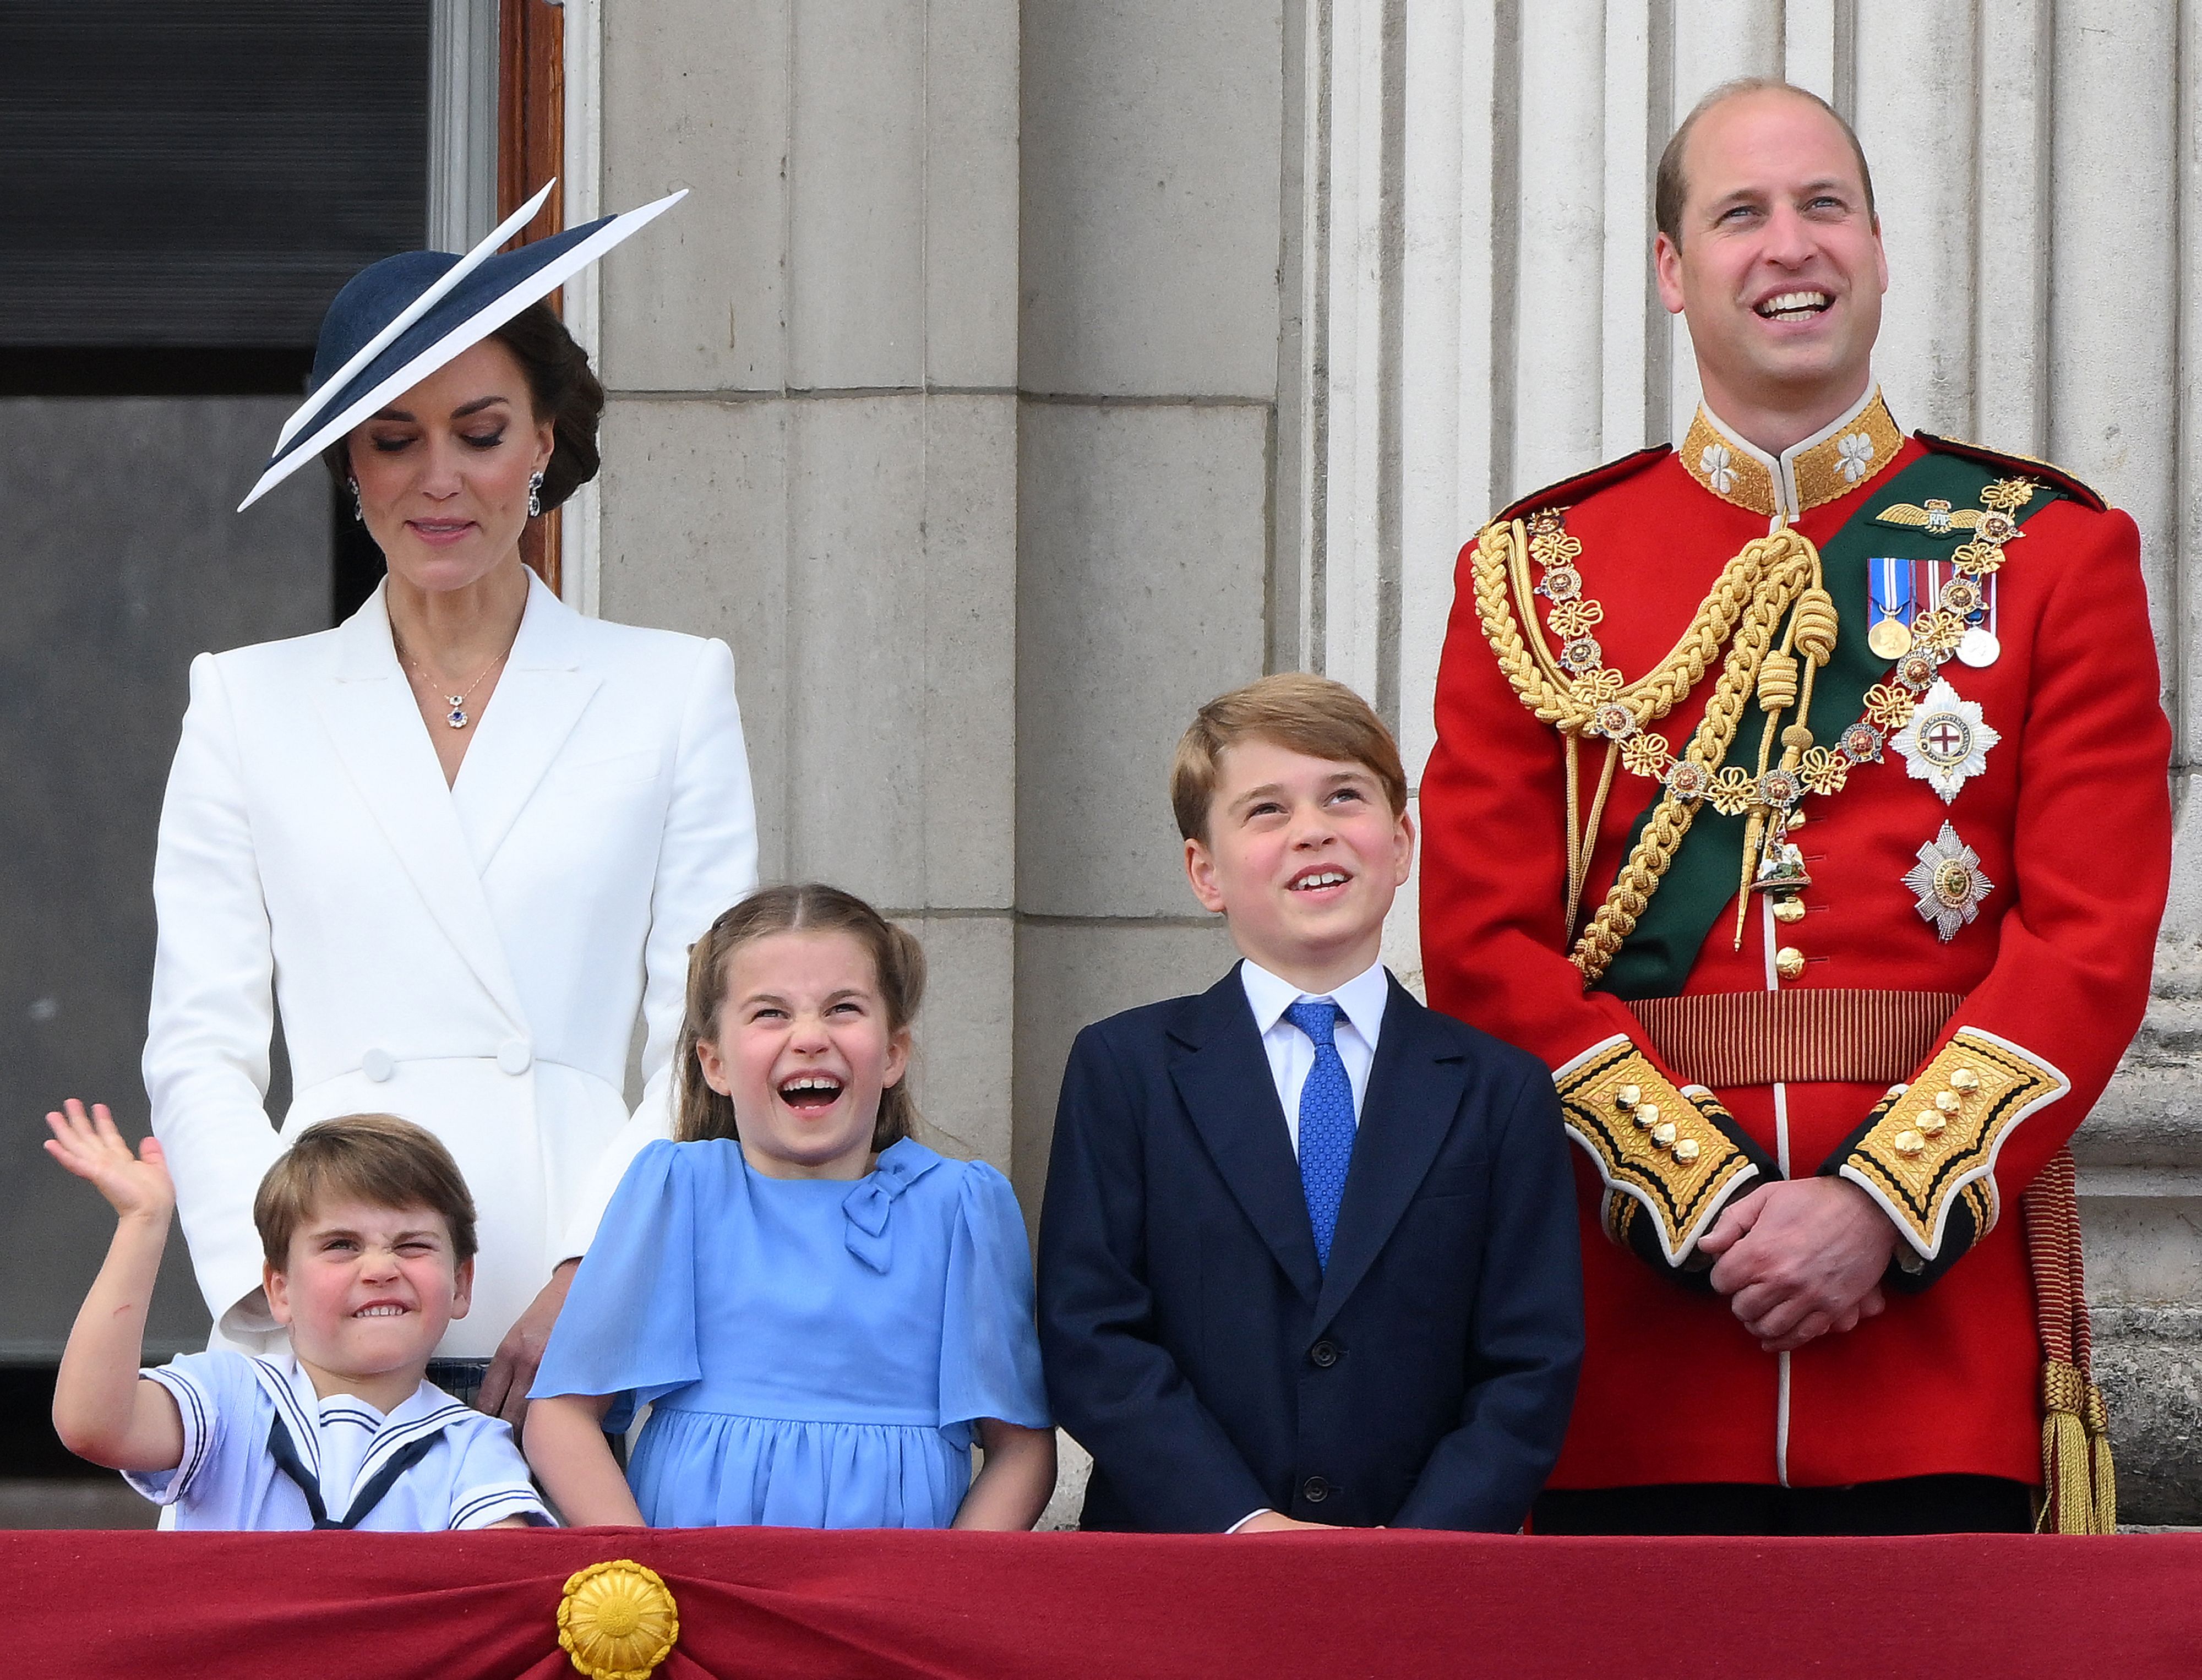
263, 1452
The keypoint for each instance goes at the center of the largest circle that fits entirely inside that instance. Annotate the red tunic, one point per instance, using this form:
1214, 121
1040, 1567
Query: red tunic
2071, 822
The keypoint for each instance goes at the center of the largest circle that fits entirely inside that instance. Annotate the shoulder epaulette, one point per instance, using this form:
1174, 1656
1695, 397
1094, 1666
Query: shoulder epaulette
2017, 465
1570, 491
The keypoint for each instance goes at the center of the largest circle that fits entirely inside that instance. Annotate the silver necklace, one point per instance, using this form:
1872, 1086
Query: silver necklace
456, 717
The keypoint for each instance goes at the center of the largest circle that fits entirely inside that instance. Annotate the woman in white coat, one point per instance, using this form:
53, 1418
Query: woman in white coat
461, 839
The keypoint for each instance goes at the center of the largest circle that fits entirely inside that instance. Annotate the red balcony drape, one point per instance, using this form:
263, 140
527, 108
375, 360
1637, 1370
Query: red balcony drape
785, 1603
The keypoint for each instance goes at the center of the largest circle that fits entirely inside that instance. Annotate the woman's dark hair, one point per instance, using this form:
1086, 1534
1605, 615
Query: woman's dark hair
562, 388
900, 961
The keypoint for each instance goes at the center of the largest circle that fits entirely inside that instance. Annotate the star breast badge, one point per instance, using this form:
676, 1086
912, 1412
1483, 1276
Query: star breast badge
1946, 742
1948, 883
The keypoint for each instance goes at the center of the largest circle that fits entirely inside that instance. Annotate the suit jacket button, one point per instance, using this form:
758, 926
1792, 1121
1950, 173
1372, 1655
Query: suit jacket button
1314, 1490
514, 1056
1324, 1354
378, 1064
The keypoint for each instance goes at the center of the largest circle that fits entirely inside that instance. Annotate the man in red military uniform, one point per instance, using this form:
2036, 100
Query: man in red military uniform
1800, 796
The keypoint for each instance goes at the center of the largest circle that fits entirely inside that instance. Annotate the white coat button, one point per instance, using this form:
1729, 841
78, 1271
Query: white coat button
514, 1056
378, 1065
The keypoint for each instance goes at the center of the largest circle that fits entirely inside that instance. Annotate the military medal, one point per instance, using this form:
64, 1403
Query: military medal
1890, 599
1973, 600
1948, 883
1945, 743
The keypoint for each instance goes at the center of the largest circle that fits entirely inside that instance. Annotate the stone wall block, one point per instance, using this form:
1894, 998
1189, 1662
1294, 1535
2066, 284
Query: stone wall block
855, 787
857, 180
1151, 197
964, 1034
970, 636
971, 193
2148, 1364
1142, 551
696, 540
697, 301
901, 767
1070, 975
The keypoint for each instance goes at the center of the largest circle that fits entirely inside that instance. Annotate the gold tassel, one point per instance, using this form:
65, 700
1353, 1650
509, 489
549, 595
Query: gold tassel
2068, 1505
2103, 1473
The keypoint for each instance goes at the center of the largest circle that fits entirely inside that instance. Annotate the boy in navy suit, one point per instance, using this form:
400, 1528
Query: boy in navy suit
1308, 1256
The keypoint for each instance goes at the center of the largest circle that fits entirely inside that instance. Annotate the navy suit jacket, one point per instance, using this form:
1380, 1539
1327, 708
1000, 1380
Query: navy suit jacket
1194, 1346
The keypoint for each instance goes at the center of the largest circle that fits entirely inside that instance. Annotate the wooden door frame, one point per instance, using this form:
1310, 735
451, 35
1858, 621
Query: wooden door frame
531, 148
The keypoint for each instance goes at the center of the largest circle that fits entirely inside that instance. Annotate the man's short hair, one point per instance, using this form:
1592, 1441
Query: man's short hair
1670, 189
1308, 714
376, 1159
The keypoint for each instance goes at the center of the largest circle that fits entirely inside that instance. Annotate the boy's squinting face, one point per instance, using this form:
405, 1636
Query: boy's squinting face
1304, 855
369, 1291
804, 1049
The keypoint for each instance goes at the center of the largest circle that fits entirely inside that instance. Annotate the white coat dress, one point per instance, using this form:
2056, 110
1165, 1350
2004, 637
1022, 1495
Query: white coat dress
470, 957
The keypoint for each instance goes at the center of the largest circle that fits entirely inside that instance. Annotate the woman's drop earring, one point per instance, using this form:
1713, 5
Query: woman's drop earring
358, 509
535, 494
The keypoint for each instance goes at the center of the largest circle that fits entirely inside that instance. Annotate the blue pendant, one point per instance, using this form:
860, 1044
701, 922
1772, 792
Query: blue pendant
456, 718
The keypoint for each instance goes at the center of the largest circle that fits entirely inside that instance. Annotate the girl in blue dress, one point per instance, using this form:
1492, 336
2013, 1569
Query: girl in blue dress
822, 1313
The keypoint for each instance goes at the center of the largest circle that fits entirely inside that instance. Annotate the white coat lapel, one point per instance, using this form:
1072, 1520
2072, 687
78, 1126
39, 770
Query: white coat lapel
368, 710
536, 702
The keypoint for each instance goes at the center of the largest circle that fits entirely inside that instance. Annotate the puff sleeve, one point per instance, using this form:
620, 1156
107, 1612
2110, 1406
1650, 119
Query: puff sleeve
628, 1326
989, 1343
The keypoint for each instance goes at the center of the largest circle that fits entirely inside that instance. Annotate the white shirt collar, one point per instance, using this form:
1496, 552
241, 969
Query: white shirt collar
1361, 1000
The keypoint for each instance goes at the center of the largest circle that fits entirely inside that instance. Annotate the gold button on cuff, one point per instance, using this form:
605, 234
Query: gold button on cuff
1931, 1124
1948, 1101
1664, 1134
1647, 1115
1687, 1150
1964, 1079
1789, 962
1908, 1143
1626, 1098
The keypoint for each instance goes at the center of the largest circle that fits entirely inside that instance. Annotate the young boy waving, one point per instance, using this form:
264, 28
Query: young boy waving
1308, 1255
369, 1234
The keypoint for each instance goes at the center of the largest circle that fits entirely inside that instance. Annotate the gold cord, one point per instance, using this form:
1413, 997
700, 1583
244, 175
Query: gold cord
1588, 843
1745, 610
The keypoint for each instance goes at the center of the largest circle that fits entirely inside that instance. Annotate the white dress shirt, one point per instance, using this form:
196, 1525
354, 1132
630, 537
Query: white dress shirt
1291, 1052
1360, 1003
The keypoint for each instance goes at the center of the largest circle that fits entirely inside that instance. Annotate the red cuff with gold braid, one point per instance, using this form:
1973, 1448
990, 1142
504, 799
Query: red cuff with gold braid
1671, 1157
1927, 1153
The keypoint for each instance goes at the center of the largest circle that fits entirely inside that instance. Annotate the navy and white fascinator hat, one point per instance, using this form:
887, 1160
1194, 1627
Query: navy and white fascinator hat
398, 321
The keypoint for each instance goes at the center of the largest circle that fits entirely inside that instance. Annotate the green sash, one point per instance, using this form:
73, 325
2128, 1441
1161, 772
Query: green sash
1656, 959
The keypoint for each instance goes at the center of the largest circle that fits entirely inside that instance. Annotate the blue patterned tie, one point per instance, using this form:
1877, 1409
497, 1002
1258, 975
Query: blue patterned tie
1326, 1122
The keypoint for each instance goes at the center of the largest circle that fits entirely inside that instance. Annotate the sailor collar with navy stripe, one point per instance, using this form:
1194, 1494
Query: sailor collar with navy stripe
1859, 444
429, 1411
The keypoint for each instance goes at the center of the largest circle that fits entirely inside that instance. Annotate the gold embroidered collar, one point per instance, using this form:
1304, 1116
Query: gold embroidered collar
1832, 463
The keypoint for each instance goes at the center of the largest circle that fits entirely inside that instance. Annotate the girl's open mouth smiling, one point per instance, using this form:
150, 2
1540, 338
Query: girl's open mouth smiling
810, 1093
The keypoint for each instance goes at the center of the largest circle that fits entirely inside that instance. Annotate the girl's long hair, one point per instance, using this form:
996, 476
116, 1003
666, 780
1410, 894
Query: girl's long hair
808, 908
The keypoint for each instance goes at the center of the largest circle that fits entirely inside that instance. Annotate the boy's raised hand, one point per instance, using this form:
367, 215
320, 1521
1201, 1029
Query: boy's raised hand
90, 1147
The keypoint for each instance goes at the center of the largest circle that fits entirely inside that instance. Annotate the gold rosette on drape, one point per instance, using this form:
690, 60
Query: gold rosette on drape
617, 1620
